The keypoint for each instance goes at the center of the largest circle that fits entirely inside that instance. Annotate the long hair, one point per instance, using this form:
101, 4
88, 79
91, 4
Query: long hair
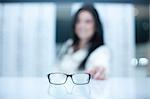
97, 38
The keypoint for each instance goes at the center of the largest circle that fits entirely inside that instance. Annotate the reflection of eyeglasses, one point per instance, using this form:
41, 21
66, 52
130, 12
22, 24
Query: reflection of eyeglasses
61, 78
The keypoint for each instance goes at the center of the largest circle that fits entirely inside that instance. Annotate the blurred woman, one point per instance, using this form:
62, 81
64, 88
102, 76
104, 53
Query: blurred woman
86, 51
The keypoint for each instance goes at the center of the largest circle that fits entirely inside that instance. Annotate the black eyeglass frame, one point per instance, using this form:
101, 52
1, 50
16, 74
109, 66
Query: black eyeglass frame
68, 75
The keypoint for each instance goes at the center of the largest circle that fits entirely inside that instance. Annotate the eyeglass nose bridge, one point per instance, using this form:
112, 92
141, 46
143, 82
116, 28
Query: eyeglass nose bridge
70, 77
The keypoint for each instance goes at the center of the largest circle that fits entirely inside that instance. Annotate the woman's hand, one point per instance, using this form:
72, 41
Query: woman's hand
98, 72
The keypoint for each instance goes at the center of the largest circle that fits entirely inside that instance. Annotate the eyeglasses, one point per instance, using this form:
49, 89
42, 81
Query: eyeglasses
61, 78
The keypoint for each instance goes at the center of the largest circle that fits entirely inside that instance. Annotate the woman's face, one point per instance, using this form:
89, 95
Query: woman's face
84, 27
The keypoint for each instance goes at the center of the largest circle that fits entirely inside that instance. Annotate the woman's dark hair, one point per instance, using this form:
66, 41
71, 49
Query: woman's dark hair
96, 40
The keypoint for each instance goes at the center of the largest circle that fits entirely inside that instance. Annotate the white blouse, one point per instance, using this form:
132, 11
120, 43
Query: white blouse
70, 60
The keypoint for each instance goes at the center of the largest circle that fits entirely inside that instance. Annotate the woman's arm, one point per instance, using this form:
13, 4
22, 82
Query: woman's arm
98, 63
61, 53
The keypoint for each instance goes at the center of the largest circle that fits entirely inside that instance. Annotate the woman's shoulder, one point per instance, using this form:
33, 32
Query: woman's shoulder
67, 46
68, 42
101, 51
64, 48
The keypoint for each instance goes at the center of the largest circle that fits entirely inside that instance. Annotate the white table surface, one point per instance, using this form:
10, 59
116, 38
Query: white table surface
39, 88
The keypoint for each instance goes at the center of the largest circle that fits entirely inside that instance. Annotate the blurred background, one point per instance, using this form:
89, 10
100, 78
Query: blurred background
32, 32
